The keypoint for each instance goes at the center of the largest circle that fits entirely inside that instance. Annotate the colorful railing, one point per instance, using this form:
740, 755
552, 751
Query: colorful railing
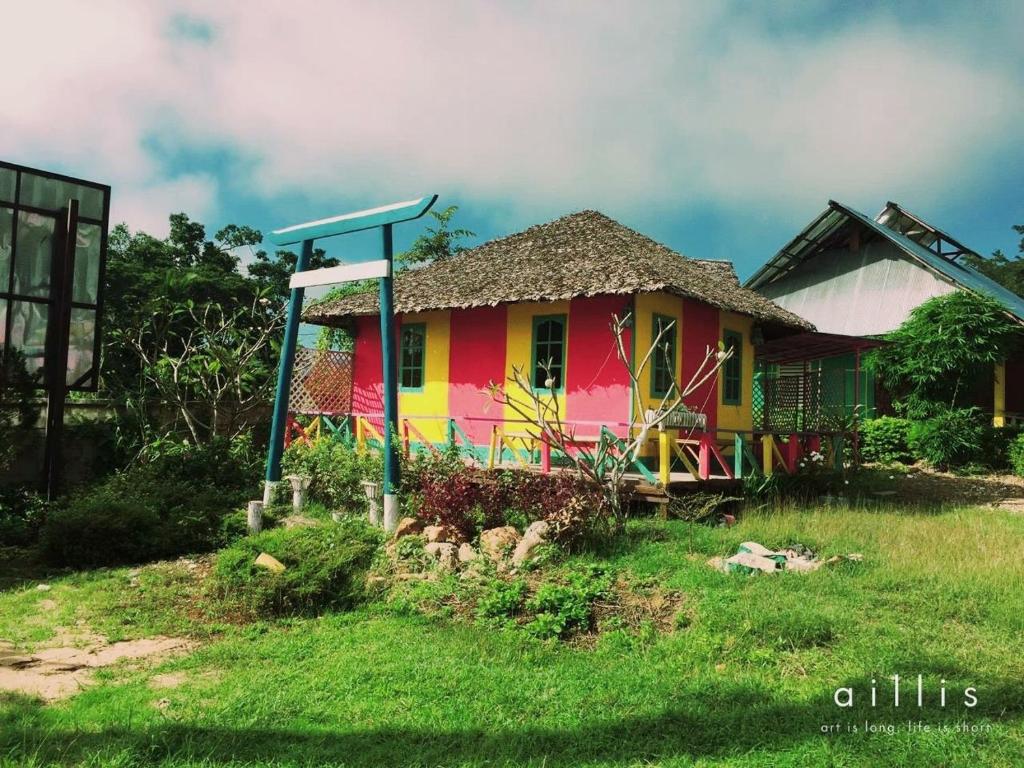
677, 455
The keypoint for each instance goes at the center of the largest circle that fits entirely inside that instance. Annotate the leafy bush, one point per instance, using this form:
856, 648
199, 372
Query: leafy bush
500, 601
884, 440
18, 408
951, 438
22, 513
336, 471
563, 607
996, 446
1016, 455
325, 567
442, 490
179, 502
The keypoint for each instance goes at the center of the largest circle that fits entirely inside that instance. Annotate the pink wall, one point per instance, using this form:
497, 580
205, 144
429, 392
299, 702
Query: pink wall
700, 330
597, 383
367, 390
596, 380
477, 357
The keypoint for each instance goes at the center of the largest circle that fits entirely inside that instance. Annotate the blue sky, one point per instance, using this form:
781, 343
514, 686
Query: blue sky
719, 129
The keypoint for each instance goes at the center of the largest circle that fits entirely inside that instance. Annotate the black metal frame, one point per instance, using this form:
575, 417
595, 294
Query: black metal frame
89, 381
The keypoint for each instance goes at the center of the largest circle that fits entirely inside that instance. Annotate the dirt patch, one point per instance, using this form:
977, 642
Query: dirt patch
58, 672
927, 486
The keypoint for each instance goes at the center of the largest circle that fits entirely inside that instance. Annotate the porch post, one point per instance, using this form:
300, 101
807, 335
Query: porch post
999, 395
390, 378
284, 377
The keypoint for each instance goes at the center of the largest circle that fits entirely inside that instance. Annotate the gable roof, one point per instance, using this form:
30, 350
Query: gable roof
582, 254
817, 234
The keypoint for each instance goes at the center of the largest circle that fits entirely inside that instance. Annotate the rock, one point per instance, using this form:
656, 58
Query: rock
497, 542
269, 562
535, 535
299, 521
43, 587
445, 553
467, 553
408, 526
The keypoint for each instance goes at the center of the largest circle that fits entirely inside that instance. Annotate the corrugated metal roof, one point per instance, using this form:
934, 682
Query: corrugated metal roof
837, 214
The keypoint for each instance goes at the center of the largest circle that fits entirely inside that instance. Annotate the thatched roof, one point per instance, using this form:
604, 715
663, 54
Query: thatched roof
582, 254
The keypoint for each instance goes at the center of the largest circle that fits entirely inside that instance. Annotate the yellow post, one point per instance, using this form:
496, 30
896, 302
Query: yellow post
492, 447
767, 453
360, 435
999, 396
664, 456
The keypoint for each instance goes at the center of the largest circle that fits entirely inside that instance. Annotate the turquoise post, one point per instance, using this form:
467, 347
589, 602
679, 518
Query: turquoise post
284, 375
387, 343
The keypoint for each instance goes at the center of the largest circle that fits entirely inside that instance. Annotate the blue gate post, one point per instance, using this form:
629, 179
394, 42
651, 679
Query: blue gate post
387, 337
284, 376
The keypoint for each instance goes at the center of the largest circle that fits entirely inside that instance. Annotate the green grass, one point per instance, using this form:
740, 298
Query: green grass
748, 682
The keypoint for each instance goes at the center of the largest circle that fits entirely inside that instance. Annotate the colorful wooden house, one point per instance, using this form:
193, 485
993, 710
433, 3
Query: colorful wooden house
549, 293
857, 278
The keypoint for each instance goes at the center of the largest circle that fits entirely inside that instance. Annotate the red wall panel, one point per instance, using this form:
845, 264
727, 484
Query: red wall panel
367, 389
477, 357
597, 384
700, 331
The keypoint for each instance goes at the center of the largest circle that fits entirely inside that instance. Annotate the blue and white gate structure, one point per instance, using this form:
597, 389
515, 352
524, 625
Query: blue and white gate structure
382, 269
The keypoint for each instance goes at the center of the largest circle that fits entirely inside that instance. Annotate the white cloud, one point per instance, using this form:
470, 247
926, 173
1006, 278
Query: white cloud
549, 106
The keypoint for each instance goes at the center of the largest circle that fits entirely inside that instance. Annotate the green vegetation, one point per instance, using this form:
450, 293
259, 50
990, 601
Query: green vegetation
325, 567
1015, 454
746, 677
885, 440
179, 501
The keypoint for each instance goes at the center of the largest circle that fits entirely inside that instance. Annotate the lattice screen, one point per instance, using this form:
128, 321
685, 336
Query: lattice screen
321, 382
817, 401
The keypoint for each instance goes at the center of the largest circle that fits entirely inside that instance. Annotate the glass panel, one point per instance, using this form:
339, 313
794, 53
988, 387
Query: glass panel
6, 227
3, 322
53, 194
81, 344
8, 178
33, 255
87, 264
28, 331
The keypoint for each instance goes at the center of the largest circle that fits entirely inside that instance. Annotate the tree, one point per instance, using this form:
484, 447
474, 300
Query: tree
1006, 271
943, 349
210, 363
185, 329
607, 462
18, 407
438, 242
273, 273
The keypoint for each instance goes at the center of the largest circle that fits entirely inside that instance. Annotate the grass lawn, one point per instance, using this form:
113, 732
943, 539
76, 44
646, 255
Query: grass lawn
747, 681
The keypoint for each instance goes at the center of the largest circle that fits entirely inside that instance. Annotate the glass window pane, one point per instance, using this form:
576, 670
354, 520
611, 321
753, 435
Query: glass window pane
3, 322
87, 264
6, 227
53, 194
81, 343
33, 254
28, 331
8, 178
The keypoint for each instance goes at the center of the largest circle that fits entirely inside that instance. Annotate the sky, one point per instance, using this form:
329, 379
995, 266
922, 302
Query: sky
717, 128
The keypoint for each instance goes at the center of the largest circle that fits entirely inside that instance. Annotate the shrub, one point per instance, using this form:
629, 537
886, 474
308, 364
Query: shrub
951, 438
884, 440
1016, 455
336, 471
325, 568
444, 491
500, 601
996, 446
176, 503
22, 513
563, 607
